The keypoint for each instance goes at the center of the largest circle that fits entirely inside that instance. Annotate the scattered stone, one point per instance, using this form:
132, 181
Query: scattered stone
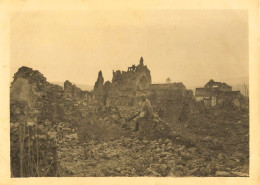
239, 174
222, 174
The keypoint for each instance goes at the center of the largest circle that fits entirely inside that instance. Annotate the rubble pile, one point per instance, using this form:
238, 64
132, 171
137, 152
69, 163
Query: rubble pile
127, 112
100, 128
173, 105
121, 101
130, 156
223, 132
70, 132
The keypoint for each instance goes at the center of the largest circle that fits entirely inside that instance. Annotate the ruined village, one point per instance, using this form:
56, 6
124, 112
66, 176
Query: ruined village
68, 132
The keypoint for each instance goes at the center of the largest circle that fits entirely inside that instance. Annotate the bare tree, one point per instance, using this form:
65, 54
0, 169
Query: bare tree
168, 80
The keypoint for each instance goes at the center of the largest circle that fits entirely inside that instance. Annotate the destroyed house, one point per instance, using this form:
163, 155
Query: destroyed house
209, 96
221, 86
216, 93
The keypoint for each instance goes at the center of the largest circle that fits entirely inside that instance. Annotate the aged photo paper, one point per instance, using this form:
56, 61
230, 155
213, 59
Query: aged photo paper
129, 92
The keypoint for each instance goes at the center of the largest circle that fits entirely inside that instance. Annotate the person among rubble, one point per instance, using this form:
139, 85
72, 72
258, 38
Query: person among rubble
145, 113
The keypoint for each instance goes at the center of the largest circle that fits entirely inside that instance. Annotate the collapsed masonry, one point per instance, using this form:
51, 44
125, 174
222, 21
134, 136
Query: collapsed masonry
124, 85
168, 99
73, 91
70, 103
42, 112
34, 108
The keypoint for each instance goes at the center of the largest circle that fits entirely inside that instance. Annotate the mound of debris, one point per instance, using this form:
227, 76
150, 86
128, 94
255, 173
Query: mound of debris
70, 132
132, 156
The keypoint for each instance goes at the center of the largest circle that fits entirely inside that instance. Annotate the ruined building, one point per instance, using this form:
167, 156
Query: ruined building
73, 91
134, 79
37, 109
220, 86
34, 108
218, 93
126, 86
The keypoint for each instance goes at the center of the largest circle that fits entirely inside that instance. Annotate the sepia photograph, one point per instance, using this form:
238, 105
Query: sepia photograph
154, 93
115, 92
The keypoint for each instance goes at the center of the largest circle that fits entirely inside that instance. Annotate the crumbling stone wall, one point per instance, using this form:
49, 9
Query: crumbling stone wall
98, 87
73, 91
124, 86
23, 91
136, 78
34, 109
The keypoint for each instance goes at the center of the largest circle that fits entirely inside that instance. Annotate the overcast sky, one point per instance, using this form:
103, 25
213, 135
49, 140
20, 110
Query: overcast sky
190, 46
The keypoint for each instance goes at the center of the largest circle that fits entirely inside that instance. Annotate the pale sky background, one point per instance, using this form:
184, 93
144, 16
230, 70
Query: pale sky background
189, 46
